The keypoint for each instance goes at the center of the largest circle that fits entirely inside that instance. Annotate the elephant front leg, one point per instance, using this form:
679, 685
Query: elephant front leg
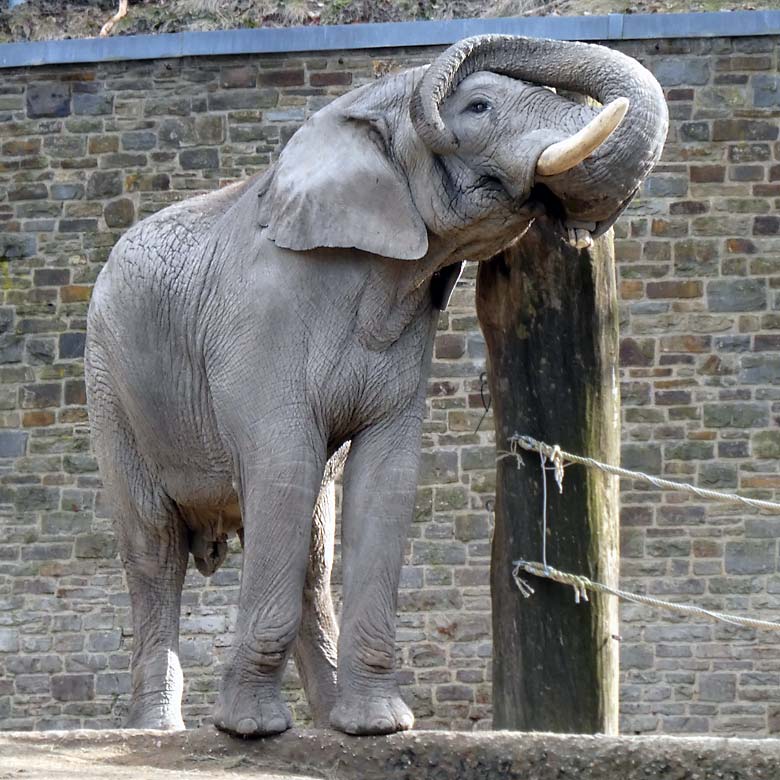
379, 489
277, 504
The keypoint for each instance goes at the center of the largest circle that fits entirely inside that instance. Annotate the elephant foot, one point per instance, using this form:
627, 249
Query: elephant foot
379, 714
154, 716
252, 711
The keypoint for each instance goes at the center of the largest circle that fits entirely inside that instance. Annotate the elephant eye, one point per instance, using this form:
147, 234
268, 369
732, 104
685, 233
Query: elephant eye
478, 107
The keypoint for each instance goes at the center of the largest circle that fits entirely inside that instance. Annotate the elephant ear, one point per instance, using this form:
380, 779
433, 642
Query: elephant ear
336, 185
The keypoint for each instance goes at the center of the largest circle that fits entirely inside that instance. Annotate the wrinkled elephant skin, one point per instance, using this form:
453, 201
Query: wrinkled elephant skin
237, 340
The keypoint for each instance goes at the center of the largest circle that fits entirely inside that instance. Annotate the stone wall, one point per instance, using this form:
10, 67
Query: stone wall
88, 150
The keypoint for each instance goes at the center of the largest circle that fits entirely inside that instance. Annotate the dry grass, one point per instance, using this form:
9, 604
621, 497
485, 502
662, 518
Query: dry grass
48, 19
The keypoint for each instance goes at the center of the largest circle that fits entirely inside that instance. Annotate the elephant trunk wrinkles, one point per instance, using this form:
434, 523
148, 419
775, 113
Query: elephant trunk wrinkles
604, 182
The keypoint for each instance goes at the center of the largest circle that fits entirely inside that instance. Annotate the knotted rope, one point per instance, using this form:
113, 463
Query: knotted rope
581, 585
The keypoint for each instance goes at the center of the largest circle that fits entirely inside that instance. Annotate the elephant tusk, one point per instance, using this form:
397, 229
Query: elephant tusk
579, 239
566, 154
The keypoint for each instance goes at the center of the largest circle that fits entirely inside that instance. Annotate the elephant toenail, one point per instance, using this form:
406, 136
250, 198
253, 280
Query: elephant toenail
247, 726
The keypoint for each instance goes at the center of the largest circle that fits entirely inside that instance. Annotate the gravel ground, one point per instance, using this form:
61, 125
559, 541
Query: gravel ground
205, 754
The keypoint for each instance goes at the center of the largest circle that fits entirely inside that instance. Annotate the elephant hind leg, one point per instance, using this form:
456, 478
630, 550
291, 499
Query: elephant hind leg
316, 647
155, 566
153, 546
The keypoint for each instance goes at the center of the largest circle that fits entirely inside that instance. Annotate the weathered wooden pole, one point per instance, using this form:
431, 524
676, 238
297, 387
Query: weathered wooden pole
549, 316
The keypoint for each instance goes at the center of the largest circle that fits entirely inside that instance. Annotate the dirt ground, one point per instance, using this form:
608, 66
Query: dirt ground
50, 19
125, 755
205, 754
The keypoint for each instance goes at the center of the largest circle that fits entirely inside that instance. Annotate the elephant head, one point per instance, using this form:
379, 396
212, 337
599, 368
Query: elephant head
454, 160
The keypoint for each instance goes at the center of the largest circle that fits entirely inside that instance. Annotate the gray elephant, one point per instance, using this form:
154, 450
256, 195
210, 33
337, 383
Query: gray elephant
238, 339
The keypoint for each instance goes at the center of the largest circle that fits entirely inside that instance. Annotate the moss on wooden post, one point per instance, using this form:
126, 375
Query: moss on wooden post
549, 316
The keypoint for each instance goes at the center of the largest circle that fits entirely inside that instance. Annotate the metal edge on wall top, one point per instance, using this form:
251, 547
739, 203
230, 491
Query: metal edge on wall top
390, 35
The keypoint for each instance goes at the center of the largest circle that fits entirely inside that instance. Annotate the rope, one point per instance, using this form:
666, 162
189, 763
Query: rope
556, 455
582, 585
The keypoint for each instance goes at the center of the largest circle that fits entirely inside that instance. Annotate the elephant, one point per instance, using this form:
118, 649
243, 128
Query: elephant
239, 340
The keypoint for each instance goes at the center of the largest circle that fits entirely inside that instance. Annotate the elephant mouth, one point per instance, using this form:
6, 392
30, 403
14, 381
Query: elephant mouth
542, 201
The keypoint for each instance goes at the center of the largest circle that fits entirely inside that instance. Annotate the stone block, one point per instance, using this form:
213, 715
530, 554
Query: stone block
244, 76
78, 226
438, 553
138, 140
73, 687
113, 683
766, 90
462, 628
199, 158
678, 70
766, 444
31, 191
13, 444
744, 130
167, 105
66, 191
447, 499
449, 346
719, 687
736, 415
119, 213
707, 173
75, 392
236, 99
11, 348
471, 527
103, 143
642, 457
290, 77
750, 558
717, 476
93, 105
665, 186
438, 467
674, 289
49, 277
72, 345
766, 226
48, 99
40, 396
17, 246
96, 545
689, 450
9, 640
75, 293
330, 78
696, 257
104, 184
428, 600
67, 148
737, 295
104, 641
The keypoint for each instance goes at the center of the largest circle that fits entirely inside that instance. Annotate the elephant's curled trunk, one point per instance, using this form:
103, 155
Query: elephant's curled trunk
600, 185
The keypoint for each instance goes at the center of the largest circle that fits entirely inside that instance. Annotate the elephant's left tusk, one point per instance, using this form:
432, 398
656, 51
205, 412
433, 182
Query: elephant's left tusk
566, 154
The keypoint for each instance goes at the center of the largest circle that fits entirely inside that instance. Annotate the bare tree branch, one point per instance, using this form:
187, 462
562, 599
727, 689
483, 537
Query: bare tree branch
120, 14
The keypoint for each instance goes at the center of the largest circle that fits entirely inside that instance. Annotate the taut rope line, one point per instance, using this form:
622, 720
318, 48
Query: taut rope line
581, 584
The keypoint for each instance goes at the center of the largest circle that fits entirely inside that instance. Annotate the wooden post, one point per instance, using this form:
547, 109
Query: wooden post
549, 316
